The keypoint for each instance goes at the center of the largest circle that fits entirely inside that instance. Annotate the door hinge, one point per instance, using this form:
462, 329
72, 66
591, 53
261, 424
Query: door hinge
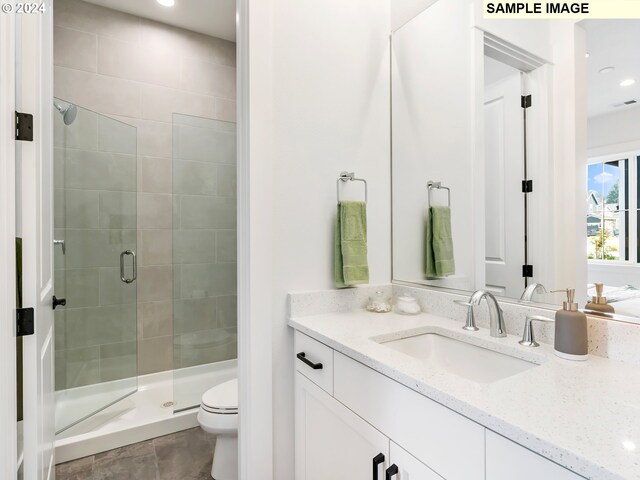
24, 127
525, 101
527, 186
527, 271
24, 322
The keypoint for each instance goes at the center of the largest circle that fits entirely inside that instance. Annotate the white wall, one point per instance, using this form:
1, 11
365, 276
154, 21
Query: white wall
433, 136
330, 62
404, 10
614, 132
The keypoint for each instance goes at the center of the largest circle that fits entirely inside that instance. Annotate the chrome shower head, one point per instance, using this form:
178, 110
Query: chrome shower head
68, 113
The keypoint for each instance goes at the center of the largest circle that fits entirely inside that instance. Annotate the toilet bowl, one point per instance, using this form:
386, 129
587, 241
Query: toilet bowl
218, 414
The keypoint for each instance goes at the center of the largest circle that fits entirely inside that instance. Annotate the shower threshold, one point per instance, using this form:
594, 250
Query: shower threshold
147, 413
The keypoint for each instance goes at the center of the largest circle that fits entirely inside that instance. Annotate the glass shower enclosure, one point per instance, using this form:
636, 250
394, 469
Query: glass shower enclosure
204, 256
95, 221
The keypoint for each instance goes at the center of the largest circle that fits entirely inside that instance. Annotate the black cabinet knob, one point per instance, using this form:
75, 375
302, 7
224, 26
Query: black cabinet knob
59, 302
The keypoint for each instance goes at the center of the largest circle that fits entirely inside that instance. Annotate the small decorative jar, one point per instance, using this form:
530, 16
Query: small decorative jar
379, 303
407, 305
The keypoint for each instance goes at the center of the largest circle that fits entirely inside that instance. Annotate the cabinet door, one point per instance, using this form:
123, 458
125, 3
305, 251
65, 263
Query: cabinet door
332, 441
409, 467
431, 432
507, 460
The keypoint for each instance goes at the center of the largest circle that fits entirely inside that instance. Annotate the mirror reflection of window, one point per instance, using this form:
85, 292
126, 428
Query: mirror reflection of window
608, 210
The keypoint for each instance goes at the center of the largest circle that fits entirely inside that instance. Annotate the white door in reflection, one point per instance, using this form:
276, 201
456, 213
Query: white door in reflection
504, 171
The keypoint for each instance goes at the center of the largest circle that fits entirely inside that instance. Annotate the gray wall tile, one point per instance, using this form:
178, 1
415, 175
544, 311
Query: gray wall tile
157, 319
79, 286
194, 178
194, 246
226, 246
118, 210
154, 210
194, 314
86, 170
99, 325
227, 311
74, 49
154, 283
155, 354
97, 248
80, 209
155, 247
113, 291
207, 212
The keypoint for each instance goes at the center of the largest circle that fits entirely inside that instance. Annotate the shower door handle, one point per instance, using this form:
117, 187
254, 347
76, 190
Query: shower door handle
135, 266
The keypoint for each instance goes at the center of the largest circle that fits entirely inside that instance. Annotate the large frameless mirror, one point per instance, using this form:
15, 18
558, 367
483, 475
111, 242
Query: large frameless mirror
503, 178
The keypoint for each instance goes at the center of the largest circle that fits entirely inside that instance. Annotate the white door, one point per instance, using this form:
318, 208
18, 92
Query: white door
331, 441
504, 172
34, 95
9, 450
409, 467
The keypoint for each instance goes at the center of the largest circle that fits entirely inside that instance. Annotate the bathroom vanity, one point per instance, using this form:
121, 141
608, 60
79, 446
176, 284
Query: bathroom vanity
420, 393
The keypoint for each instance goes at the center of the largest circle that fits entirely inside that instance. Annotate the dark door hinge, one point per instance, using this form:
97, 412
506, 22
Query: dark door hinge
527, 186
527, 271
525, 101
24, 127
24, 322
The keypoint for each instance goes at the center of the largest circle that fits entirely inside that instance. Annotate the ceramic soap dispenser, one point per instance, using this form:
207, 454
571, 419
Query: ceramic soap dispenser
570, 341
599, 303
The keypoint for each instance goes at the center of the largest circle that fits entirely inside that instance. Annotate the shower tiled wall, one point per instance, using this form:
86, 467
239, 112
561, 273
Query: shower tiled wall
141, 72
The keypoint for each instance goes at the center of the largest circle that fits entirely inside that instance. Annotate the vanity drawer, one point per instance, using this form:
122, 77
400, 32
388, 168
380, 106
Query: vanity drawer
314, 360
448, 443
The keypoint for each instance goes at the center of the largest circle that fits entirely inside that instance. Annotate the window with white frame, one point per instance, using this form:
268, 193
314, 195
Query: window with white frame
613, 218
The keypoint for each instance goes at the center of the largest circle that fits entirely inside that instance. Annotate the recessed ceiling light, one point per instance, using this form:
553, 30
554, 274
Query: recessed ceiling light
587, 55
606, 70
166, 3
627, 82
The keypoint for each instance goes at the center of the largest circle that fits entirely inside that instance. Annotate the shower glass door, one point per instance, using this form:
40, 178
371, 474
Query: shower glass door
95, 221
204, 256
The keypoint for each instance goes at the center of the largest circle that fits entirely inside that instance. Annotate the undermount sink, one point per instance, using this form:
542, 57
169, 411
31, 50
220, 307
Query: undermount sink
474, 363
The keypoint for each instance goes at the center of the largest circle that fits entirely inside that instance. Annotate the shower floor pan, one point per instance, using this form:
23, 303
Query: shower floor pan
147, 413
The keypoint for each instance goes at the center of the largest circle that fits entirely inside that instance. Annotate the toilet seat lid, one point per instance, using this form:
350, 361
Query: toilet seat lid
222, 397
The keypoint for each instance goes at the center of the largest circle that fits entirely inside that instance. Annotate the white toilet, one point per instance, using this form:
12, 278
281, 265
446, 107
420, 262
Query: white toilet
218, 414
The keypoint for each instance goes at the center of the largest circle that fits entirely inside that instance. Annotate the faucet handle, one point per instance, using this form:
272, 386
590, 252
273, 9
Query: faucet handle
470, 324
528, 339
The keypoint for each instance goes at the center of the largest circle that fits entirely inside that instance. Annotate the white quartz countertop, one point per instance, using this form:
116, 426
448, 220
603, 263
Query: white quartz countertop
584, 416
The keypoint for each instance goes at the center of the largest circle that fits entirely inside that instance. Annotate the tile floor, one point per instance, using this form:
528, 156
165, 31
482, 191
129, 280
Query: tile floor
185, 455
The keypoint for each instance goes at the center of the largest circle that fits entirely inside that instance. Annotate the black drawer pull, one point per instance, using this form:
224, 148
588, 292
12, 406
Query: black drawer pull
315, 366
391, 471
377, 460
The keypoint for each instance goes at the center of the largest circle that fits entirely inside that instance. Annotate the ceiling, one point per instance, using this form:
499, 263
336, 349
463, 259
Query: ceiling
211, 17
612, 43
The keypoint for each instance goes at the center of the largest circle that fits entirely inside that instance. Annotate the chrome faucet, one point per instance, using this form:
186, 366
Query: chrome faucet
527, 295
497, 327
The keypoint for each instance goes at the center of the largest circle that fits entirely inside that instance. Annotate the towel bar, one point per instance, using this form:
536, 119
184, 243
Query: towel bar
350, 177
438, 185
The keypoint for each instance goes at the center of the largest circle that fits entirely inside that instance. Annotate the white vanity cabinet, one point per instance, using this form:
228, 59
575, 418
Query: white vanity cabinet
332, 441
347, 415
507, 460
409, 467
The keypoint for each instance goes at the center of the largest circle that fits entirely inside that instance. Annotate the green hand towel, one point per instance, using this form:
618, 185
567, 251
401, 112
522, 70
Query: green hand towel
439, 243
350, 265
